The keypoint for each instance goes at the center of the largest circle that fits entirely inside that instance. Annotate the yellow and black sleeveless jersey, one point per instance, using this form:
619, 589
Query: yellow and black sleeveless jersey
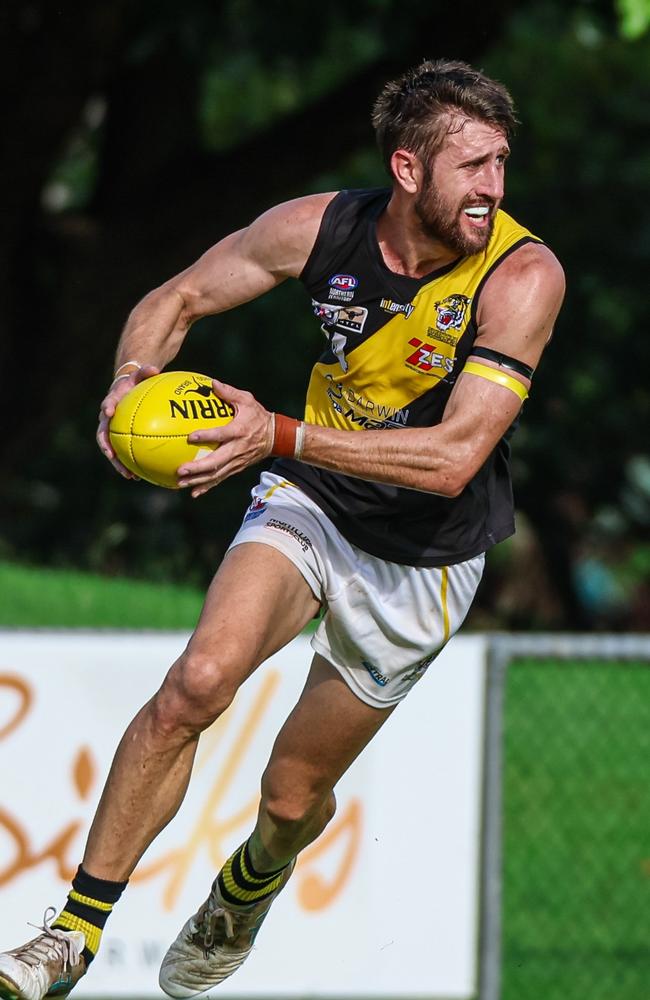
395, 346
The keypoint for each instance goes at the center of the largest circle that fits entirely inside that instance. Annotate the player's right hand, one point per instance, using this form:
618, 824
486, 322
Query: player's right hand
117, 390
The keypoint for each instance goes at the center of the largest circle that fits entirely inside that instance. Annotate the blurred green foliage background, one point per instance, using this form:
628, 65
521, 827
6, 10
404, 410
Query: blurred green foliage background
139, 134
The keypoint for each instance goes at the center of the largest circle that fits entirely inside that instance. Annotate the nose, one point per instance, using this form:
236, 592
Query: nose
490, 181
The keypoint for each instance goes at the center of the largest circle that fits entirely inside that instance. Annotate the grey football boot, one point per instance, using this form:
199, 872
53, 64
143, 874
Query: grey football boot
213, 944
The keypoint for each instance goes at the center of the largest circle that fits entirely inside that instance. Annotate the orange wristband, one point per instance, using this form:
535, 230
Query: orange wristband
284, 436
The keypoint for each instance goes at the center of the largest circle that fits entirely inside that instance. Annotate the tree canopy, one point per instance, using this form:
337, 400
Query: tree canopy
142, 133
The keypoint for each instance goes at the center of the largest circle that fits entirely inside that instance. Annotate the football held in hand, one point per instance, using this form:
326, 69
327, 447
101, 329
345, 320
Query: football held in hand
151, 424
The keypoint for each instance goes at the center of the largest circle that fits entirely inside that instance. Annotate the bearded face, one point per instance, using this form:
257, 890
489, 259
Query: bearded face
462, 186
450, 221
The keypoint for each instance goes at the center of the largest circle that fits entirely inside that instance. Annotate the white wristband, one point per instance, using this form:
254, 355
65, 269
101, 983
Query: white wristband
300, 441
136, 363
271, 433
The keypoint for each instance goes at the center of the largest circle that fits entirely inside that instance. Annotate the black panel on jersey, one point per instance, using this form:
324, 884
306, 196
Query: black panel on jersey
407, 526
402, 525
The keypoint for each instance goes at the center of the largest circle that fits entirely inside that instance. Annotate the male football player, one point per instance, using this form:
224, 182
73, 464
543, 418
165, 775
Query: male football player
379, 507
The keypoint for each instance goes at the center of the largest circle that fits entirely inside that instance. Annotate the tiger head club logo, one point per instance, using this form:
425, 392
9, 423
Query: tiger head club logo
450, 312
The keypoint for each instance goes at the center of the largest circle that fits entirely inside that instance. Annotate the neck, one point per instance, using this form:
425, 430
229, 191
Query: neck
403, 246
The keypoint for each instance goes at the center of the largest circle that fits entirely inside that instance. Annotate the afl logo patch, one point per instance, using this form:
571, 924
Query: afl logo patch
346, 282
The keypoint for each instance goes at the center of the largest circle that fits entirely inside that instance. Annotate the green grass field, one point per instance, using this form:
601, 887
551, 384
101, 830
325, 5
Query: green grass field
64, 598
577, 811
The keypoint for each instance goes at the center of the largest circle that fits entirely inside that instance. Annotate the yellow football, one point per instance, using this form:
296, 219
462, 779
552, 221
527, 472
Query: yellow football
151, 423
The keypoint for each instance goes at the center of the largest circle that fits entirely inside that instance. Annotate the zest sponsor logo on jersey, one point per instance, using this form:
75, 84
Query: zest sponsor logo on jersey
426, 358
363, 412
397, 307
451, 312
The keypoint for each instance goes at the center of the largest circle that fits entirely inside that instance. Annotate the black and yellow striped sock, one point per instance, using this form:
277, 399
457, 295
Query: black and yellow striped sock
241, 885
89, 905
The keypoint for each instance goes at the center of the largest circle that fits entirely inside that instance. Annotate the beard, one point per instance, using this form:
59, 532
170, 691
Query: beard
441, 222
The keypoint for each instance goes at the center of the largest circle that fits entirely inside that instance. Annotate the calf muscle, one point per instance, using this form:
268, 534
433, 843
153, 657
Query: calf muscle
239, 627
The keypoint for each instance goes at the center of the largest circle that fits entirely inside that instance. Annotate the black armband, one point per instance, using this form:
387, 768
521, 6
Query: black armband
503, 361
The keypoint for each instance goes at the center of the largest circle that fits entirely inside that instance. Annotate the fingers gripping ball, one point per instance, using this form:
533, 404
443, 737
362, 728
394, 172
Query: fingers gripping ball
151, 423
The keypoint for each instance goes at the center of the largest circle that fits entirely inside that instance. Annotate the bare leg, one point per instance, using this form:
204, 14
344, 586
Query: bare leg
256, 603
326, 731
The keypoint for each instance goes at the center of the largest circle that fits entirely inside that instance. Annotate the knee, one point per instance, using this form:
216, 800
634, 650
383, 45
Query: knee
294, 805
195, 692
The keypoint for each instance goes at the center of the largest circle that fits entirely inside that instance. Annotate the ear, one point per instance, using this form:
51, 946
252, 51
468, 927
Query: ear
407, 170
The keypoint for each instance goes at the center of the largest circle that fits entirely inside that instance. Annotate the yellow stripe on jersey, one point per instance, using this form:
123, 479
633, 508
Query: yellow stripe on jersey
496, 375
373, 383
444, 583
277, 486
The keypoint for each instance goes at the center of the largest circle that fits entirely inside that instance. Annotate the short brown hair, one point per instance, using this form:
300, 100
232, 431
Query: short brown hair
412, 112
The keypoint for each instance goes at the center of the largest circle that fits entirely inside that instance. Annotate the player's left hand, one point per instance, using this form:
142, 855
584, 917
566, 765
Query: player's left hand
247, 439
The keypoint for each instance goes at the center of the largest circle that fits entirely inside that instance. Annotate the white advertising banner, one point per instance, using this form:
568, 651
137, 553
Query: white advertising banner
383, 904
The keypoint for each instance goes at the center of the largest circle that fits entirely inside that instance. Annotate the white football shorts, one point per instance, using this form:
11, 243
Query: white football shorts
383, 622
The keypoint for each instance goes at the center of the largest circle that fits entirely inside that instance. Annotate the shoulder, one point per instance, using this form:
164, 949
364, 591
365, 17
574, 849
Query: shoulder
520, 303
530, 276
305, 212
282, 238
530, 263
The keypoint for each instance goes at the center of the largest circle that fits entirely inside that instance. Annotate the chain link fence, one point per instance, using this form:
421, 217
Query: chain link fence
572, 862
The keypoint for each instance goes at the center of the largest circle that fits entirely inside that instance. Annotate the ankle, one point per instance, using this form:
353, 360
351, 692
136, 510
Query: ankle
242, 885
88, 907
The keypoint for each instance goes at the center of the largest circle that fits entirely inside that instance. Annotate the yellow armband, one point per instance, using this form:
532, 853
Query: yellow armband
498, 376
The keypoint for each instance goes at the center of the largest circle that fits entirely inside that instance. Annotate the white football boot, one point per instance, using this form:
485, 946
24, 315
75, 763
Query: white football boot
47, 966
212, 944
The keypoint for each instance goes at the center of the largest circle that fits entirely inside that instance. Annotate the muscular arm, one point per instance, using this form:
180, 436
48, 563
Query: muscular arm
239, 268
518, 307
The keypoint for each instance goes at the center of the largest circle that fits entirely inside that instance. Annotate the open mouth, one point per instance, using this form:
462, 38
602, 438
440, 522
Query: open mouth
478, 215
